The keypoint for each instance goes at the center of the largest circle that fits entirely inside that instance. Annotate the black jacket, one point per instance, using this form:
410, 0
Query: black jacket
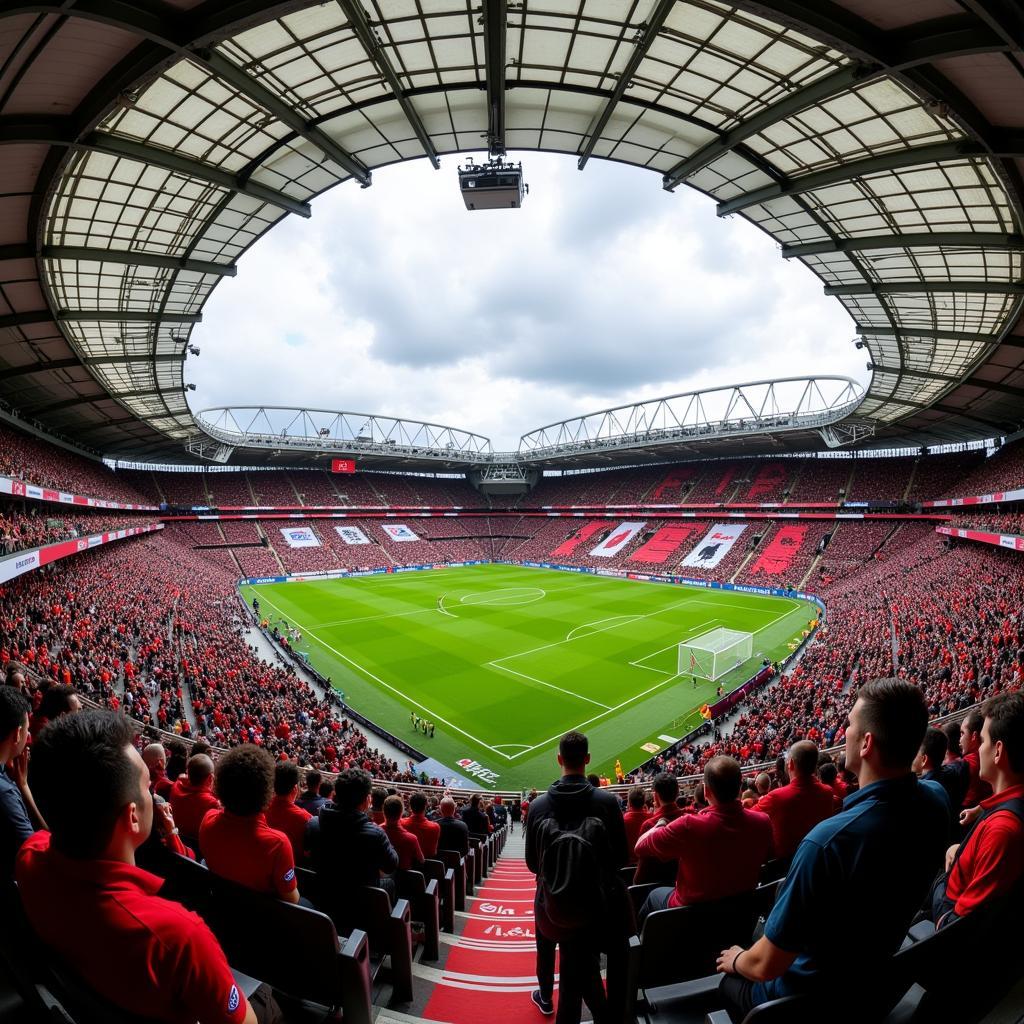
476, 821
348, 850
454, 835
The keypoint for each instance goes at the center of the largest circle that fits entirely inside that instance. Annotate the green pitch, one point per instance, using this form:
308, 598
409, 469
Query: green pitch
504, 660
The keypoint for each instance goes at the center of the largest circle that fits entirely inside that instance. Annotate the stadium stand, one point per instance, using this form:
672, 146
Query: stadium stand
822, 480
1001, 471
785, 554
876, 479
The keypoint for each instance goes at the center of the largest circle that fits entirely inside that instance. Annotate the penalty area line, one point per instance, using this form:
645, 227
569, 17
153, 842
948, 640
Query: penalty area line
366, 672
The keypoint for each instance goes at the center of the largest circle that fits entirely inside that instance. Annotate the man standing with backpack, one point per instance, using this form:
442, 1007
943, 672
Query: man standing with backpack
575, 845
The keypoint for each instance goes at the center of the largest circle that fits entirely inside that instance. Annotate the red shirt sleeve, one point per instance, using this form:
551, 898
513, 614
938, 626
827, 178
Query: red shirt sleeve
284, 868
991, 864
196, 968
665, 843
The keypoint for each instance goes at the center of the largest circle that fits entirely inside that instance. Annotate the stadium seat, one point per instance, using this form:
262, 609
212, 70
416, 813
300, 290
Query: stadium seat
305, 961
445, 878
425, 907
456, 863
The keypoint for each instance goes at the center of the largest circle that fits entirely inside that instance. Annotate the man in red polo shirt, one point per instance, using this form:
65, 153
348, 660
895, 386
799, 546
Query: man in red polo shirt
283, 813
636, 817
146, 955
795, 809
970, 742
666, 793
406, 845
237, 842
719, 852
192, 797
990, 860
426, 831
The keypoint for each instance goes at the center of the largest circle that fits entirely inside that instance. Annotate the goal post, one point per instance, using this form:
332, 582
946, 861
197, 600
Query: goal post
711, 655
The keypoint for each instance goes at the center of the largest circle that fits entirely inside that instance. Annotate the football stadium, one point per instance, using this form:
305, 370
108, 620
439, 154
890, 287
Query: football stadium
705, 706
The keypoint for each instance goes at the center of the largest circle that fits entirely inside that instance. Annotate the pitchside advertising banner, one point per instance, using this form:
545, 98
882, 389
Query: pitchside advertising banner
22, 489
299, 537
714, 546
617, 539
398, 531
352, 535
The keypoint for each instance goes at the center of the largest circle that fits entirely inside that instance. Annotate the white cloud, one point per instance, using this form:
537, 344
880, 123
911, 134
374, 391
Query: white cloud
602, 289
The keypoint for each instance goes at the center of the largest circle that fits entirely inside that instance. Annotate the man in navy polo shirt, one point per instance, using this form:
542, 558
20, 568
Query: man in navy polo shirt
865, 870
86, 900
17, 810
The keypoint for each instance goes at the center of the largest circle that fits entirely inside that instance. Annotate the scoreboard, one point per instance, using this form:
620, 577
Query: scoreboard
343, 465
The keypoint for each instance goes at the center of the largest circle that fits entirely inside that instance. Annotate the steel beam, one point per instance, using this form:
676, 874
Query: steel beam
25, 371
287, 114
16, 252
66, 403
495, 19
32, 316
923, 288
946, 378
137, 259
943, 239
123, 360
647, 34
889, 332
915, 156
375, 51
123, 316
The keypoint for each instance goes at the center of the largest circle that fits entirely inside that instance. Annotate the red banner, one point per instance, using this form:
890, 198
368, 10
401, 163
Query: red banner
343, 465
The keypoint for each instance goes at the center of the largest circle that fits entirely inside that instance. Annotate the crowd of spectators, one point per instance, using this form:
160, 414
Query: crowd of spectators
1009, 522
48, 525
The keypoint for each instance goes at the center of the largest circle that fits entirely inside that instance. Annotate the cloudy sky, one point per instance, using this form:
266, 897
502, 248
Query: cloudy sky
603, 289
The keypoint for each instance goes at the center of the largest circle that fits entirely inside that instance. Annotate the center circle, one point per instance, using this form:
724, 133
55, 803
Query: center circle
510, 597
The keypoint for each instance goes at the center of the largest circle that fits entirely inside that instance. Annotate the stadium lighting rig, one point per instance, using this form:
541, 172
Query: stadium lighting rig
494, 185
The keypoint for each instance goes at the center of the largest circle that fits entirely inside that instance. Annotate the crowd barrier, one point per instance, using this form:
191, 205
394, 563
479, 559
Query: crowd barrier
1012, 541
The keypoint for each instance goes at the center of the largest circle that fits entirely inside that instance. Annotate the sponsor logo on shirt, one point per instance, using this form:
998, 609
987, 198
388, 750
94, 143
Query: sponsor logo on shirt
233, 999
289, 874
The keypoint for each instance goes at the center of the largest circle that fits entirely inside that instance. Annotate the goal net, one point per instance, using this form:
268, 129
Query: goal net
714, 653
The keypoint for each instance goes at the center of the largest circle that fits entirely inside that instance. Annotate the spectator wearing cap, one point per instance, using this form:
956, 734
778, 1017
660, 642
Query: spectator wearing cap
148, 956
426, 831
990, 861
635, 818
406, 845
794, 809
718, 853
877, 856
192, 798
236, 840
18, 815
310, 799
283, 813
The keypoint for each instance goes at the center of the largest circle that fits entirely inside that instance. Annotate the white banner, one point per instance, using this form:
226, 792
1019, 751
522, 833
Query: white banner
352, 535
617, 539
398, 532
300, 537
714, 545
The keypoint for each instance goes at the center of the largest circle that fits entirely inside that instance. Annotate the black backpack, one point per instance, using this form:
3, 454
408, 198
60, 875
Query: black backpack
573, 877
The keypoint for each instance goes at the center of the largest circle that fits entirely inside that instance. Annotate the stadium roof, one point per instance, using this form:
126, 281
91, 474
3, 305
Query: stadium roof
146, 146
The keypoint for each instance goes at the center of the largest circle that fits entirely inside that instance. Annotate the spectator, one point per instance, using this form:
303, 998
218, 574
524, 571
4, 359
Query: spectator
192, 797
156, 761
348, 850
236, 840
719, 853
378, 795
876, 857
794, 809
15, 676
146, 955
475, 819
426, 831
634, 819
311, 799
970, 742
570, 803
515, 812
990, 861
666, 809
930, 766
177, 758
953, 751
406, 845
283, 813
454, 834
762, 784
17, 809
498, 813
56, 701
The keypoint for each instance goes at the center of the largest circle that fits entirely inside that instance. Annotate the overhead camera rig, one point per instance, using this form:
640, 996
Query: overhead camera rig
494, 185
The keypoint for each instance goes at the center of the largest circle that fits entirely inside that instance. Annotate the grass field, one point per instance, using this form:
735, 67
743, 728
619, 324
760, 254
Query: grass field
510, 658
